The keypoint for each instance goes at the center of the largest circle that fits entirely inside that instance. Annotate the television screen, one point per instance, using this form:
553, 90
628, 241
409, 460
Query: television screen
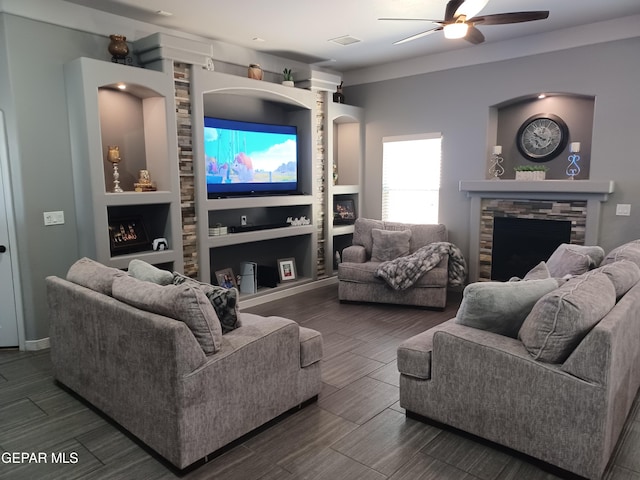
244, 158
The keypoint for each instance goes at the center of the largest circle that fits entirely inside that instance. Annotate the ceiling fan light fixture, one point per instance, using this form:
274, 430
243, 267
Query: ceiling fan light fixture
455, 30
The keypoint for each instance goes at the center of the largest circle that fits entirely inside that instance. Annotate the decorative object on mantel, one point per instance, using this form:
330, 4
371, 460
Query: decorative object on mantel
298, 222
119, 49
338, 96
208, 64
113, 156
288, 77
255, 71
531, 172
335, 174
144, 183
496, 170
573, 169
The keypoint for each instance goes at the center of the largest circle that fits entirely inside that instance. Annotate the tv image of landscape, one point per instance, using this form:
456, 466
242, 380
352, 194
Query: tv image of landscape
249, 158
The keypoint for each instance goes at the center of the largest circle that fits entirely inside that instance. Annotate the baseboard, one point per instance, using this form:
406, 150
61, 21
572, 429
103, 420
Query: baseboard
33, 345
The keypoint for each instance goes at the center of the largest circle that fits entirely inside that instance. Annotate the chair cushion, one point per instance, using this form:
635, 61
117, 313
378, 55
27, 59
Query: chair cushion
145, 271
561, 318
389, 244
223, 300
310, 347
94, 275
362, 233
501, 307
629, 251
365, 273
570, 259
185, 302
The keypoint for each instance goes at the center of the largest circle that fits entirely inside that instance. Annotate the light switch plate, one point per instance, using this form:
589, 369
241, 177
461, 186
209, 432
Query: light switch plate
623, 209
54, 218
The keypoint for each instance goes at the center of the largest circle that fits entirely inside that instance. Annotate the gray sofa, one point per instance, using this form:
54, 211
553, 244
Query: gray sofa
356, 272
565, 406
149, 372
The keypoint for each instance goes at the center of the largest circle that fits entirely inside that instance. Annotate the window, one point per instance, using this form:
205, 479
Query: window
411, 178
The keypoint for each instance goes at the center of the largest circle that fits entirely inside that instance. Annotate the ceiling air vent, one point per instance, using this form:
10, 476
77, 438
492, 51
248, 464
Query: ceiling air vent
345, 40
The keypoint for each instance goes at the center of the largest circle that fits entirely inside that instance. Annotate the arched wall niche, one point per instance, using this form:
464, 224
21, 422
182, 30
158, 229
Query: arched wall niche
577, 112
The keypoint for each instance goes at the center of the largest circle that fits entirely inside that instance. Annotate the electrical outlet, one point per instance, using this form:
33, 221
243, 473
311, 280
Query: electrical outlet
243, 220
53, 218
623, 209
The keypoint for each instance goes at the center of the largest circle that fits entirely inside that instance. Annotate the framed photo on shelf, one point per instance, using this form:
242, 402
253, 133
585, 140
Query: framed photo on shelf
287, 269
344, 212
127, 235
226, 278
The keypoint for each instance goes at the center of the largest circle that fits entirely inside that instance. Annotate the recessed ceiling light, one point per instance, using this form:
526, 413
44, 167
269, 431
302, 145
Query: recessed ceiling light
541, 96
163, 13
258, 39
345, 40
122, 86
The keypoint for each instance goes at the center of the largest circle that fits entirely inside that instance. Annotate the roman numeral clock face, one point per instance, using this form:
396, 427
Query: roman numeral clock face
542, 137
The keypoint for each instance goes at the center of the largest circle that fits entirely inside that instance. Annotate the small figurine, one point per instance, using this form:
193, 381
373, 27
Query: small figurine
338, 96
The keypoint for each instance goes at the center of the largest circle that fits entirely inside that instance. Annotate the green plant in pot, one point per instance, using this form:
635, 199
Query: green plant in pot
287, 75
531, 172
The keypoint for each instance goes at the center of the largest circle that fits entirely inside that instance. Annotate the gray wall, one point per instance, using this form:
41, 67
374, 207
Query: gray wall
458, 102
32, 95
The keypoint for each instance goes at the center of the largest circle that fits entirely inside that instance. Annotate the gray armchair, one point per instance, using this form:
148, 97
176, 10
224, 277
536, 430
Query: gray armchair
375, 241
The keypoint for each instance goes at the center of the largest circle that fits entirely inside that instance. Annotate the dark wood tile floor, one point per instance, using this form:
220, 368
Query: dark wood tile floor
356, 430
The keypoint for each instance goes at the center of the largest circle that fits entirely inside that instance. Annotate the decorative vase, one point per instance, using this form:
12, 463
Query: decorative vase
118, 47
338, 96
255, 71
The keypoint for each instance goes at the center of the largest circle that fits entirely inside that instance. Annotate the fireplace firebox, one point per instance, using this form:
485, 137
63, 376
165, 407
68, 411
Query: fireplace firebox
519, 244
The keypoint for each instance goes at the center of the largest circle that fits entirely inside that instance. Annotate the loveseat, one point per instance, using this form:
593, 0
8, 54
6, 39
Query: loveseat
183, 389
559, 385
377, 241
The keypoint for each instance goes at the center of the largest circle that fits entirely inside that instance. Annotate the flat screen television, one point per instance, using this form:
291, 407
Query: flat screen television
246, 158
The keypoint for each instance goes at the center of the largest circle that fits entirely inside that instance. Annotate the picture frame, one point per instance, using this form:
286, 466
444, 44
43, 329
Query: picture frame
128, 235
344, 211
226, 278
287, 269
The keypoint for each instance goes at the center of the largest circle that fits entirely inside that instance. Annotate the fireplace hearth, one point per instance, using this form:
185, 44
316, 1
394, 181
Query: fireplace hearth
519, 244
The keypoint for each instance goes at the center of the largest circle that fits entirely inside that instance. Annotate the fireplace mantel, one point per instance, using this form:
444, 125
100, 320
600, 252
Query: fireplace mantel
594, 192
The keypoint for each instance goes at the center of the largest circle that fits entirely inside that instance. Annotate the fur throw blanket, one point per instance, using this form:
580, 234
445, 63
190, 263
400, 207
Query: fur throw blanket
403, 272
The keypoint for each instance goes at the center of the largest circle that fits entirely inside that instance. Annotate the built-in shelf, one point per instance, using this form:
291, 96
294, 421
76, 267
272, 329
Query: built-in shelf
149, 256
259, 235
345, 189
539, 186
138, 198
255, 202
342, 229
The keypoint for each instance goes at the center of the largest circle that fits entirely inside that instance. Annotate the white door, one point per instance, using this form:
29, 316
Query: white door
8, 314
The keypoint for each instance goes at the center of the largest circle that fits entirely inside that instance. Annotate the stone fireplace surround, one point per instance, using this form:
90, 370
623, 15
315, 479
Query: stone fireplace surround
579, 201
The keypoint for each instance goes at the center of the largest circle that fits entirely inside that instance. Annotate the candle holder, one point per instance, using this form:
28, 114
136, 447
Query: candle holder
573, 169
113, 156
496, 170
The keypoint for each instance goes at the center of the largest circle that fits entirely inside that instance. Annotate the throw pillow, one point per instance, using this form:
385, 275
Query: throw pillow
501, 307
145, 271
570, 259
623, 274
362, 233
539, 272
629, 251
389, 245
186, 303
93, 275
561, 319
223, 300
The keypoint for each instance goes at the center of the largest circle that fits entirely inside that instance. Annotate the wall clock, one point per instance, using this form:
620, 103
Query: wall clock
542, 137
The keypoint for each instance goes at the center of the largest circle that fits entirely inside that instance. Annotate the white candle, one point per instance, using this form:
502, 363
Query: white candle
497, 150
575, 147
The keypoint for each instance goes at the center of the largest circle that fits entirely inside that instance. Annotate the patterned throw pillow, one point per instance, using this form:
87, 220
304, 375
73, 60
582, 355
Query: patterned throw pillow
223, 300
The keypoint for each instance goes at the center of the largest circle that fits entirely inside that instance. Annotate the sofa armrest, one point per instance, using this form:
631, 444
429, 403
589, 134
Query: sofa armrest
354, 254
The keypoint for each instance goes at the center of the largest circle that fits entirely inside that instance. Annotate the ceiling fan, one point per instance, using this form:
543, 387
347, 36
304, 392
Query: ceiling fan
460, 20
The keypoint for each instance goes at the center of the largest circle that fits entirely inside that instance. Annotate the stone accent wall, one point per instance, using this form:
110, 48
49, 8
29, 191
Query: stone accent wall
571, 210
182, 82
321, 178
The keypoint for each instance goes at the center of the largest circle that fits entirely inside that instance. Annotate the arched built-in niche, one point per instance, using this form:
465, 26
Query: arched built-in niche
575, 110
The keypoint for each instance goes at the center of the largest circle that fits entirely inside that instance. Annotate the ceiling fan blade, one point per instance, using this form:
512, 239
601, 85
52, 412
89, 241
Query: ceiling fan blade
506, 18
418, 35
470, 8
474, 35
451, 10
